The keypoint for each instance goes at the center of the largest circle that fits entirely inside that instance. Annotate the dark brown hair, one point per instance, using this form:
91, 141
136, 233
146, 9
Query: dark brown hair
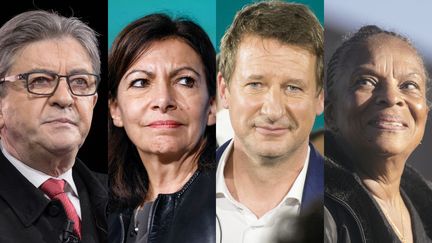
128, 178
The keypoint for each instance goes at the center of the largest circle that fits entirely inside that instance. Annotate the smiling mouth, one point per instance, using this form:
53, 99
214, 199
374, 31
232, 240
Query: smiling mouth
384, 124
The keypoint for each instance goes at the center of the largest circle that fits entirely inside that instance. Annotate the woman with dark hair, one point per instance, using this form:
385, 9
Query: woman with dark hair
376, 111
161, 77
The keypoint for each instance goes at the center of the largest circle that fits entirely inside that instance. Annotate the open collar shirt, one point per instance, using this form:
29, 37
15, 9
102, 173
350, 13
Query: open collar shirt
237, 224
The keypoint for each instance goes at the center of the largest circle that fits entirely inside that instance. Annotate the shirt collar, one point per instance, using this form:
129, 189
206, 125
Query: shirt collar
38, 177
294, 195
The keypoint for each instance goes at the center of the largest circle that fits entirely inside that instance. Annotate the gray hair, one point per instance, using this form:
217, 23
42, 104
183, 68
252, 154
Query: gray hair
33, 26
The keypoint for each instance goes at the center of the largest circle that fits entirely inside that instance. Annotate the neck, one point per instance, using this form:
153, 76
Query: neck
381, 176
53, 164
249, 178
166, 174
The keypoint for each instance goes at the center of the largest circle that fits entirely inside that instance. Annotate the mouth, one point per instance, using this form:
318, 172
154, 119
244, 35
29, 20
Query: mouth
65, 121
393, 123
271, 130
165, 124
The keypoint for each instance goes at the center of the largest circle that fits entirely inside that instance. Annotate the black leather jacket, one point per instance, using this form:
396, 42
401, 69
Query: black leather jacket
352, 216
185, 216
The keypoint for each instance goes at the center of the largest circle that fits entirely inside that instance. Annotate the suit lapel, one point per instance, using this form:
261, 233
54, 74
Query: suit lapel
16, 190
313, 191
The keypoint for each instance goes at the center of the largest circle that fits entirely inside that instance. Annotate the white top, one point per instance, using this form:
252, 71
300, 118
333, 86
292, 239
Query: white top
237, 224
224, 129
37, 178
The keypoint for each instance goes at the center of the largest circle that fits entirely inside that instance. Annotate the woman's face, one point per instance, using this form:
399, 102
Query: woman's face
163, 102
381, 97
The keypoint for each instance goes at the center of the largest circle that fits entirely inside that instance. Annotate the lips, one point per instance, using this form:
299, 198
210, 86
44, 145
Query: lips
165, 124
61, 120
271, 130
388, 122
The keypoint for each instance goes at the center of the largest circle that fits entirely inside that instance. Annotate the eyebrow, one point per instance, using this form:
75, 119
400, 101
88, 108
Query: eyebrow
361, 70
72, 72
172, 73
258, 77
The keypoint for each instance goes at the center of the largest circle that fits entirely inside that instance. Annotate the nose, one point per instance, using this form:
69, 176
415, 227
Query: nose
389, 95
273, 106
163, 97
62, 96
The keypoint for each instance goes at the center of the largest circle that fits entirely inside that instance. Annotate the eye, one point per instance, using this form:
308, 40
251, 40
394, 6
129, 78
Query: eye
365, 82
254, 85
37, 80
186, 81
293, 88
410, 85
83, 82
139, 83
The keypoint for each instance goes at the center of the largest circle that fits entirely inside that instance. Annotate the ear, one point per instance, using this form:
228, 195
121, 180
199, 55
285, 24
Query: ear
319, 109
223, 89
2, 122
212, 112
115, 113
95, 98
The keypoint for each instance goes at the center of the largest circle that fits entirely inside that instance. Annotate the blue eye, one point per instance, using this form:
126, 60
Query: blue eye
254, 85
292, 88
186, 81
139, 83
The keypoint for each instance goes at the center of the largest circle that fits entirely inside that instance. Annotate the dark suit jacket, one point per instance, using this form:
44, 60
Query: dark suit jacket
313, 192
26, 215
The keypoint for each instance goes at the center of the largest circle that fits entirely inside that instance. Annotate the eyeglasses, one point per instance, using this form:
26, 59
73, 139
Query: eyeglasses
46, 83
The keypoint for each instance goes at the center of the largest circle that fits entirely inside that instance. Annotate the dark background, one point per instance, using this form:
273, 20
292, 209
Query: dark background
94, 150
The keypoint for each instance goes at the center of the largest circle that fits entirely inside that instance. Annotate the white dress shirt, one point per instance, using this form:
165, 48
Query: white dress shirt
37, 178
236, 223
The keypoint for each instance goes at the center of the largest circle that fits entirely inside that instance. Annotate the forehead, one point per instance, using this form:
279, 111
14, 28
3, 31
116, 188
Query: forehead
272, 57
381, 51
171, 52
59, 54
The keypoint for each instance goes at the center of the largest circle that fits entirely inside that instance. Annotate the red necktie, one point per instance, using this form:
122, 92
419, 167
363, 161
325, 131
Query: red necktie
55, 190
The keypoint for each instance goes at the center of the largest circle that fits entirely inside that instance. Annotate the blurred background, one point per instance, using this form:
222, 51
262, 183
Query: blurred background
121, 13
410, 19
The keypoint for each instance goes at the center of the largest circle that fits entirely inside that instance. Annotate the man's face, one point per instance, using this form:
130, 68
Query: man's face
33, 124
272, 97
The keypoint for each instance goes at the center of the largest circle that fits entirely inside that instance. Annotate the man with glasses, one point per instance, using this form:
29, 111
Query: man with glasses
49, 74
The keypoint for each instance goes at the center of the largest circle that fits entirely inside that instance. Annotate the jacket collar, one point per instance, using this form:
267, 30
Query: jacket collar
16, 190
343, 184
313, 191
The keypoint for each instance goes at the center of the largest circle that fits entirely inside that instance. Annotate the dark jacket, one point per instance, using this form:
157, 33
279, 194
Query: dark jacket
352, 215
185, 216
26, 215
313, 192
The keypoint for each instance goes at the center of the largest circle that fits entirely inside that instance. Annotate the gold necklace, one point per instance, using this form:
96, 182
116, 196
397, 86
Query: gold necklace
400, 235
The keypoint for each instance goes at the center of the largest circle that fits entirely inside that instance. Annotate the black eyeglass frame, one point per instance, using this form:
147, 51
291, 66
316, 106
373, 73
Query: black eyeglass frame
25, 76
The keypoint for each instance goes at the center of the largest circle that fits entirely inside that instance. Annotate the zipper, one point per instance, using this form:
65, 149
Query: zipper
122, 233
351, 211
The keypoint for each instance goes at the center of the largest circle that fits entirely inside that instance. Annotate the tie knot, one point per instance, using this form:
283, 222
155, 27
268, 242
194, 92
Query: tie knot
53, 187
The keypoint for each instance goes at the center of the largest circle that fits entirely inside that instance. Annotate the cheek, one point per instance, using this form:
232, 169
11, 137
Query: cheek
131, 109
419, 111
